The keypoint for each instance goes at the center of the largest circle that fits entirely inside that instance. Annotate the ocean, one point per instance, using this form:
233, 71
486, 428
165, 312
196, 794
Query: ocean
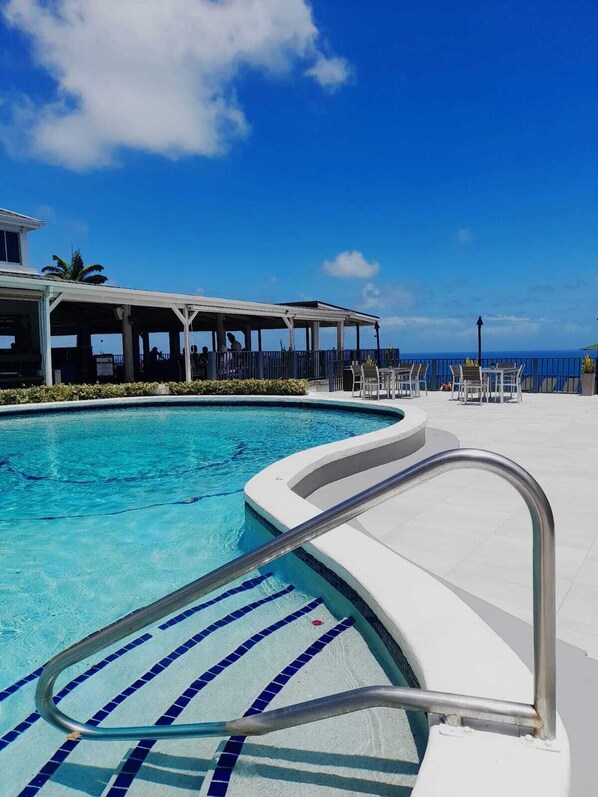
499, 355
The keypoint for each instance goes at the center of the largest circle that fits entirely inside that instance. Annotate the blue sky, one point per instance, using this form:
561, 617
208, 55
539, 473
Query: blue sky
424, 162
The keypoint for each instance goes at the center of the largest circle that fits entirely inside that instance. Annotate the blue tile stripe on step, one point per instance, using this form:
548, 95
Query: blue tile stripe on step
134, 761
25, 724
232, 749
249, 584
26, 679
44, 775
246, 585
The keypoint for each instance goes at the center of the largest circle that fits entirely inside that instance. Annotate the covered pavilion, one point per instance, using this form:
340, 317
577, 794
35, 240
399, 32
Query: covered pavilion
33, 308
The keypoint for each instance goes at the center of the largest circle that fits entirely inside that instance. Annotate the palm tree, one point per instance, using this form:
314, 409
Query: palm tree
75, 271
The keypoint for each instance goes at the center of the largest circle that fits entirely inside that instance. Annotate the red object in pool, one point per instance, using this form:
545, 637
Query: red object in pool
317, 622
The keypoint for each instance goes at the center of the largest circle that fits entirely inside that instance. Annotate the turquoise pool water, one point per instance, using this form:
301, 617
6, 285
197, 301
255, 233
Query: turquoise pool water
104, 511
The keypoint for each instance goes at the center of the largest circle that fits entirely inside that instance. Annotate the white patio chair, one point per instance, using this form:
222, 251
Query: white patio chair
472, 381
357, 379
421, 378
512, 383
455, 381
404, 382
371, 380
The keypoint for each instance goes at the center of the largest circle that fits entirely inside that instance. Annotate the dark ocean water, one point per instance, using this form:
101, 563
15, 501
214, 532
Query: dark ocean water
498, 354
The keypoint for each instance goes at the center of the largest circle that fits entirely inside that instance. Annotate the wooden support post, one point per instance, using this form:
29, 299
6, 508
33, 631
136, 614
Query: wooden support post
220, 332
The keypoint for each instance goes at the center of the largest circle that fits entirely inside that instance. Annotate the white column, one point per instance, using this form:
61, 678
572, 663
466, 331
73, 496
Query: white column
46, 305
290, 324
186, 316
340, 335
24, 246
315, 336
127, 334
187, 345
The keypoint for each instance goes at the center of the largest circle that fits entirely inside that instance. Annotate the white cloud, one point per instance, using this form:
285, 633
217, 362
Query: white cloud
351, 265
154, 76
381, 297
330, 73
424, 322
504, 325
495, 326
464, 236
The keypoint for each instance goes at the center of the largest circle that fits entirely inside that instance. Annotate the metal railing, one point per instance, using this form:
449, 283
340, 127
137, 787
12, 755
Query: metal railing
540, 375
540, 716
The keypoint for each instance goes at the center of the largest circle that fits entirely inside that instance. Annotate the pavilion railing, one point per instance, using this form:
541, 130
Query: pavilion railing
540, 375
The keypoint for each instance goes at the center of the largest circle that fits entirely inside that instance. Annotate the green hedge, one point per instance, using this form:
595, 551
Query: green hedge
228, 387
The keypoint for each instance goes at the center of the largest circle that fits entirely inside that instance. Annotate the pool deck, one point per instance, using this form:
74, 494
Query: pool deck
473, 532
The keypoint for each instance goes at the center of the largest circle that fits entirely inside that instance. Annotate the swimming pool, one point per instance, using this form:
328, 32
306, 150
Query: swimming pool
105, 511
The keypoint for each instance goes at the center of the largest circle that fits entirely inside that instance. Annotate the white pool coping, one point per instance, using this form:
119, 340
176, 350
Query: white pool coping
446, 644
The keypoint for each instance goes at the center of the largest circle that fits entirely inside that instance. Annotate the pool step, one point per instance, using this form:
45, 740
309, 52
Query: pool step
262, 644
196, 635
352, 754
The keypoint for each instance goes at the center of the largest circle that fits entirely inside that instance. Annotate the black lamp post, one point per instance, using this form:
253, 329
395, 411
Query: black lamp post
377, 330
479, 324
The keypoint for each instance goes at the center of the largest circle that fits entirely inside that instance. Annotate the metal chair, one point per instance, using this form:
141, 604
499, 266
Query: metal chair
357, 379
512, 383
472, 381
404, 382
421, 378
455, 381
370, 379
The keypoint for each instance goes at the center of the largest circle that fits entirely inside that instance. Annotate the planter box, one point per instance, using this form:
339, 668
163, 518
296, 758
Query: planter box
588, 384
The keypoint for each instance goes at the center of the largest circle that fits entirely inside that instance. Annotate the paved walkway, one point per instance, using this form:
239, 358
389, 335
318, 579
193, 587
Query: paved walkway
474, 531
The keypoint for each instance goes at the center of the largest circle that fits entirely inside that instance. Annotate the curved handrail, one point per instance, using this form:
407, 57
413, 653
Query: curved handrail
541, 715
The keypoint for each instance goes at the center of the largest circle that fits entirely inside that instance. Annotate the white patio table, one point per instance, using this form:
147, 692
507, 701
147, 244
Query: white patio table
499, 378
389, 374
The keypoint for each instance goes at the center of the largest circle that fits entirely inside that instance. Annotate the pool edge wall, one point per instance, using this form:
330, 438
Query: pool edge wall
448, 646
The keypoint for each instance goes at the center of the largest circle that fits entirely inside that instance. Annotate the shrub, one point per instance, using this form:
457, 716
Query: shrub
228, 387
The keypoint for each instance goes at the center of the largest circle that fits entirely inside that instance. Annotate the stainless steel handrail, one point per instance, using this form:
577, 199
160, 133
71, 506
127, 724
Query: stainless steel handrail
540, 715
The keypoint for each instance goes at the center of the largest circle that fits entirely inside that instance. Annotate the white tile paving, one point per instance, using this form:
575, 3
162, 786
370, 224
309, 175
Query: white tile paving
474, 531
